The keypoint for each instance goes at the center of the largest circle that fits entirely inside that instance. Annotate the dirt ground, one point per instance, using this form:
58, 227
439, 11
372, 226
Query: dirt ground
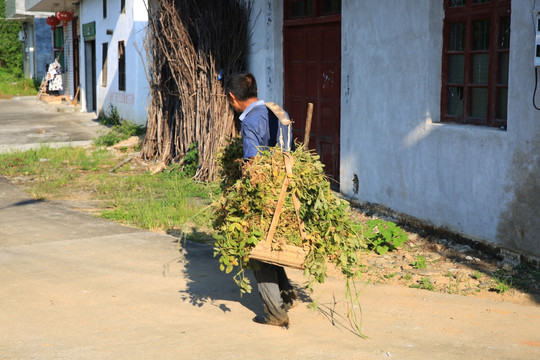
435, 263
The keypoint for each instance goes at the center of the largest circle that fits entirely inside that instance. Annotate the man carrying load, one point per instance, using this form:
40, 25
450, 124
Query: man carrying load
261, 129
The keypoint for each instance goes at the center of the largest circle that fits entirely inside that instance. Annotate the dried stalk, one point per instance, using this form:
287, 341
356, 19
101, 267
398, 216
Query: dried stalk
187, 44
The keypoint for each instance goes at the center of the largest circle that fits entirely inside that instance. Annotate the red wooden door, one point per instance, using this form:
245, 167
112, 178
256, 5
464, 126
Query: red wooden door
312, 64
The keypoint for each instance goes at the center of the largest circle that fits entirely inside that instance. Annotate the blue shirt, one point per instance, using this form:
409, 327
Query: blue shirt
261, 129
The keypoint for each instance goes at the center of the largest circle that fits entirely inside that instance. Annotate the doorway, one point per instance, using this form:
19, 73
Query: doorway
76, 80
90, 74
312, 73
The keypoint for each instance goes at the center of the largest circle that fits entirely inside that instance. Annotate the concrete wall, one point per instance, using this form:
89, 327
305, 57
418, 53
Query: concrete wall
265, 53
476, 181
130, 28
518, 225
471, 180
43, 46
12, 7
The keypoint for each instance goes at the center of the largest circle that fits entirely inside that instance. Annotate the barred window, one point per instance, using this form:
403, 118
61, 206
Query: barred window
476, 49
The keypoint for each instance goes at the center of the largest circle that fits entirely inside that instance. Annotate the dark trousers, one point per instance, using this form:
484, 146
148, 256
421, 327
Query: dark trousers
271, 280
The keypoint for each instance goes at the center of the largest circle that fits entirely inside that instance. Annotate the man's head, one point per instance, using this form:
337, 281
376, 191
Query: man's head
241, 90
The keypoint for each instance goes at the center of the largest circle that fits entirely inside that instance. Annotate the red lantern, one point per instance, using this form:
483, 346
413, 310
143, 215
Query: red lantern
64, 16
53, 21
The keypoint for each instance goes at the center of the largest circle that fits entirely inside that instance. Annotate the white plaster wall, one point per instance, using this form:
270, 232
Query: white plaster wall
265, 51
43, 46
89, 10
518, 226
67, 71
454, 176
128, 27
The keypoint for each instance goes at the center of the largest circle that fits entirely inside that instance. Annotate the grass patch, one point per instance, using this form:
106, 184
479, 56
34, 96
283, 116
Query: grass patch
121, 129
119, 133
17, 86
164, 201
420, 263
424, 284
167, 201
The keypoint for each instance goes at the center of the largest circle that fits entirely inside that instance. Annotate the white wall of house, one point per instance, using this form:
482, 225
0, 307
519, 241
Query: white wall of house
468, 179
265, 55
68, 81
130, 28
43, 51
476, 181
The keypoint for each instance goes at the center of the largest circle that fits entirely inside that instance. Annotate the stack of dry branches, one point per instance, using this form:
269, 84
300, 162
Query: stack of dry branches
188, 43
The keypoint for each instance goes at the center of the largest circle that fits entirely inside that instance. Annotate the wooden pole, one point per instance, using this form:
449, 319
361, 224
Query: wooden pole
308, 123
75, 101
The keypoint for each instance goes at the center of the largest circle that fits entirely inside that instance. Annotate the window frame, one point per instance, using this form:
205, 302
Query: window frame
104, 65
122, 66
494, 11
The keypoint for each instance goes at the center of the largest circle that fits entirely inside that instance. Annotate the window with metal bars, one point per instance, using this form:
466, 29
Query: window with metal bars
476, 47
104, 50
121, 66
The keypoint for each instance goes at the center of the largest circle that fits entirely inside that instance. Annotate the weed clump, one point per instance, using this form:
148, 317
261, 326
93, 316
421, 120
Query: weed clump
121, 129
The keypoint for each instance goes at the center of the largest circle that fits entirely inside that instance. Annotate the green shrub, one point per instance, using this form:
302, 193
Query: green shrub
120, 129
189, 164
420, 263
110, 118
11, 84
191, 160
382, 236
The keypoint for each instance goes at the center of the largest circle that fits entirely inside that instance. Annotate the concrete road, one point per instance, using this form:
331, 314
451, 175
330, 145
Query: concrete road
77, 287
26, 123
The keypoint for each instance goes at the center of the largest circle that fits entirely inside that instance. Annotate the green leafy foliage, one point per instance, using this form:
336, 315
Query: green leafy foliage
424, 284
245, 210
382, 236
188, 165
191, 160
11, 84
121, 129
243, 214
420, 263
230, 160
502, 282
11, 54
110, 117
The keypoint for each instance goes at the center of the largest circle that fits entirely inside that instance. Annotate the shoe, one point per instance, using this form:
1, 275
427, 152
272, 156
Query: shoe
289, 297
260, 319
289, 305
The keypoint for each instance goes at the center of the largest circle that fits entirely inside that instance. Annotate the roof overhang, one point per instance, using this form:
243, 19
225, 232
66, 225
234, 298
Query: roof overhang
50, 5
16, 10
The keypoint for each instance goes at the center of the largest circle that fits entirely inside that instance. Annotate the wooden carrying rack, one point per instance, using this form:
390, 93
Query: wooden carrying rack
286, 255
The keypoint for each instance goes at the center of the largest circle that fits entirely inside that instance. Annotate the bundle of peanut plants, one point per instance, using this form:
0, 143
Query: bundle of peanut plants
244, 212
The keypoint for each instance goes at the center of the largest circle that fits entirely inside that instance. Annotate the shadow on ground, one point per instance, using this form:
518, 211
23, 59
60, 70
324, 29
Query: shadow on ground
207, 284
25, 202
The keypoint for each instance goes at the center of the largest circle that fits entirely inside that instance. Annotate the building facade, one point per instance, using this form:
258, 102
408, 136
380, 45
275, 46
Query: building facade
112, 51
427, 107
436, 117
35, 38
102, 55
